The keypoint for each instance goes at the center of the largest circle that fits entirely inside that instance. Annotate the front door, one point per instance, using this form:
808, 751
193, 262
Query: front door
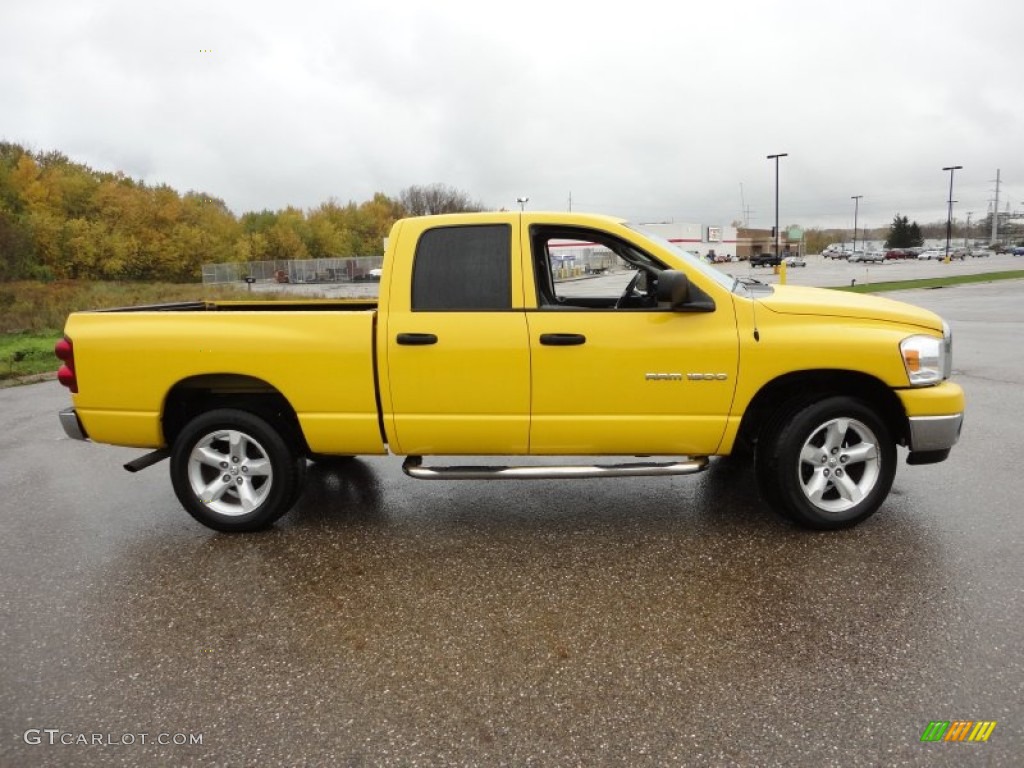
618, 375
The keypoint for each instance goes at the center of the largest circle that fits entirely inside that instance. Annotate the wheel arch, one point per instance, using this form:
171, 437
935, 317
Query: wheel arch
195, 395
803, 386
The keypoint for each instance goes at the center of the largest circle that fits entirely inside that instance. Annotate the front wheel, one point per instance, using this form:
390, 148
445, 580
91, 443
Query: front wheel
232, 471
827, 465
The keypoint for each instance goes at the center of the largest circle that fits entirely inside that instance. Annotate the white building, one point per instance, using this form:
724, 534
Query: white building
697, 238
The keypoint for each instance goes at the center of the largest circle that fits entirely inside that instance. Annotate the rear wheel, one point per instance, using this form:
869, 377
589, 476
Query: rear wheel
827, 465
233, 471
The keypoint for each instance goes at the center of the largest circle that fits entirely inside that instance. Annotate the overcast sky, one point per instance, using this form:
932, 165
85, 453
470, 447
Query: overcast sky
653, 111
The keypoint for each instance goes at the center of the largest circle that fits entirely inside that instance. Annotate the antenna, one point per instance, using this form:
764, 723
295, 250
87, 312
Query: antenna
995, 214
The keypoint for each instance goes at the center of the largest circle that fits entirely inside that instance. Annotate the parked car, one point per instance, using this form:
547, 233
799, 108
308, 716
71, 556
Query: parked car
1018, 251
941, 255
837, 255
898, 253
875, 256
795, 261
765, 260
976, 253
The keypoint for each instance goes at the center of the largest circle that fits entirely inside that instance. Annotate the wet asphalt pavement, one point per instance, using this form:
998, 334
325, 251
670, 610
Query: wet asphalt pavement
388, 621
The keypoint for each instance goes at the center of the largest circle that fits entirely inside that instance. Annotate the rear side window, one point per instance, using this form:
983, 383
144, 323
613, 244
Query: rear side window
463, 268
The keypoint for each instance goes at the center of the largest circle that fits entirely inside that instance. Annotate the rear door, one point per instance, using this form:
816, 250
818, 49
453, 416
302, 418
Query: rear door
456, 357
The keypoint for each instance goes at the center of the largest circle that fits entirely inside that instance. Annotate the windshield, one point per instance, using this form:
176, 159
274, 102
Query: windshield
726, 281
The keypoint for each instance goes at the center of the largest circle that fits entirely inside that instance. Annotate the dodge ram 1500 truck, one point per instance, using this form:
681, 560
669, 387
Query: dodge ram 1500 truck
492, 335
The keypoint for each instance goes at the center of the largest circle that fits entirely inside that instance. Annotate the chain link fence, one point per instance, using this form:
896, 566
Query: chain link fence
354, 269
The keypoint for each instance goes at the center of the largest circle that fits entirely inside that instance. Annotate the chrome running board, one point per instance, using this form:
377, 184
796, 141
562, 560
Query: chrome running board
413, 467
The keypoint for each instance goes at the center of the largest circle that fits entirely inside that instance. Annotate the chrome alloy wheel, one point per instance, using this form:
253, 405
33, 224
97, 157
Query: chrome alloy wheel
840, 464
230, 472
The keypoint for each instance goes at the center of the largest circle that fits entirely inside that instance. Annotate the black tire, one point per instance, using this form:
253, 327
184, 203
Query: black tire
261, 469
845, 473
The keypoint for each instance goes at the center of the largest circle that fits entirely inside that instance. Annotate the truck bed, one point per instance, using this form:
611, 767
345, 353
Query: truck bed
318, 355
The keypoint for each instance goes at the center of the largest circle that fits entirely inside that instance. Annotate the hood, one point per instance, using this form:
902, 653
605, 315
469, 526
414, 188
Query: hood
799, 300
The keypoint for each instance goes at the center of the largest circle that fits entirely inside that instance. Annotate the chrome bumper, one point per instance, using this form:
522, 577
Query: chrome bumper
72, 426
934, 433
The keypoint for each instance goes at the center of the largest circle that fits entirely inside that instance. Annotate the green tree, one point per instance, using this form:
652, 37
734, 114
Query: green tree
914, 235
898, 236
903, 233
16, 252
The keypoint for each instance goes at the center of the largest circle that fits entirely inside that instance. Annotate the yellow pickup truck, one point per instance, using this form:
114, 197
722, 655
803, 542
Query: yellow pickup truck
523, 334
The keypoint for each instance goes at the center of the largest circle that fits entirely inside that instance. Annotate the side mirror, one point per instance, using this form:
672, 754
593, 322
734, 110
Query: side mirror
675, 289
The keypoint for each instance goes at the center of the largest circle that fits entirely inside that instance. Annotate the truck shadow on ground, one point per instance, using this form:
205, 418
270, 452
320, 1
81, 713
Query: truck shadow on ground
345, 492
338, 491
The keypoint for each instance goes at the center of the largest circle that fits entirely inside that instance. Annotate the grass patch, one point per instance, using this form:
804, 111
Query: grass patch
25, 353
932, 282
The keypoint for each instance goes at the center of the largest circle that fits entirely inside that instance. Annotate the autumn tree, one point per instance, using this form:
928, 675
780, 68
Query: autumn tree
60, 219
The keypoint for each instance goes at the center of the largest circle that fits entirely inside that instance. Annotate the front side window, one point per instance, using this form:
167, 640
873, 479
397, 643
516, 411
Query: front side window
587, 269
463, 268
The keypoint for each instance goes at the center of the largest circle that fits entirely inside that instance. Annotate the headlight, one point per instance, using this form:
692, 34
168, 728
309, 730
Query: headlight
926, 359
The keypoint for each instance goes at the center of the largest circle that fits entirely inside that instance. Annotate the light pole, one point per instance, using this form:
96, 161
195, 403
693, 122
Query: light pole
967, 232
522, 202
776, 159
856, 210
949, 211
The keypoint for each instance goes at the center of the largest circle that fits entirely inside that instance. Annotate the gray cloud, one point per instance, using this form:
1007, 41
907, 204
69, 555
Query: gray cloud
645, 110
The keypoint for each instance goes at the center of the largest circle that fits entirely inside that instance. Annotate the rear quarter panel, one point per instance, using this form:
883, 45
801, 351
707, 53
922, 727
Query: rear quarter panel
321, 361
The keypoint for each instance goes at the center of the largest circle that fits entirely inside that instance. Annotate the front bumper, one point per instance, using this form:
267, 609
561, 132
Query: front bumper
72, 426
934, 418
934, 433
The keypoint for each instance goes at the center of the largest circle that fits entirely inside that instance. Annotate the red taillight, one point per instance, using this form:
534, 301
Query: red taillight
65, 351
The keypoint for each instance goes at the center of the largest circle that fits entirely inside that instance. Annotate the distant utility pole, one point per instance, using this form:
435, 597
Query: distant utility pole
967, 232
570, 201
745, 210
995, 214
949, 211
856, 210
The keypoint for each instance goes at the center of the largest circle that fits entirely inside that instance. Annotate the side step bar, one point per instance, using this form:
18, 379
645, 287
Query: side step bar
148, 460
413, 467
